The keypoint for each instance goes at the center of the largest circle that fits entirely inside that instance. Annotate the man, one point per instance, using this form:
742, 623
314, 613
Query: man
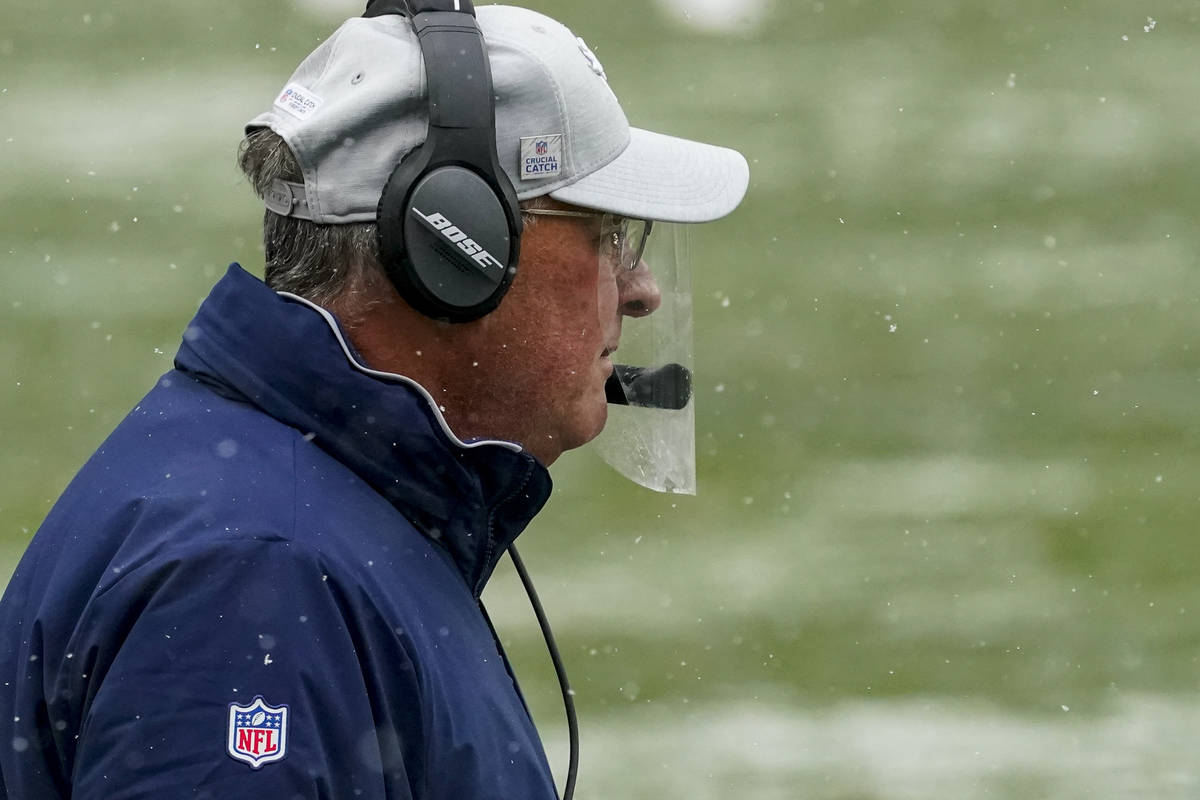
266, 581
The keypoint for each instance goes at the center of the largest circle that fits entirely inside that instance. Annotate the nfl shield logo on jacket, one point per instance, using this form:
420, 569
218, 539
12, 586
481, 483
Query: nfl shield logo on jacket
257, 732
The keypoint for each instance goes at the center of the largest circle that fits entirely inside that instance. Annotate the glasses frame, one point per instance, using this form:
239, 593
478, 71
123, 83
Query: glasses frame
601, 215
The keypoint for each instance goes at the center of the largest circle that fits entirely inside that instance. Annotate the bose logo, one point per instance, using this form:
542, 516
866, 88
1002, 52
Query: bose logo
457, 236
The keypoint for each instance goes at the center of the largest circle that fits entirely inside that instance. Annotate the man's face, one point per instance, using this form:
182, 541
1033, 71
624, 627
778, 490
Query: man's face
558, 325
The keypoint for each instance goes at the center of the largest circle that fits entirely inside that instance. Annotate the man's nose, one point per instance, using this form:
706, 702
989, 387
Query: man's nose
640, 295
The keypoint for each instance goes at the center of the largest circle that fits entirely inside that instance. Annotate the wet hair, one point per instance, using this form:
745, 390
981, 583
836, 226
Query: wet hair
318, 262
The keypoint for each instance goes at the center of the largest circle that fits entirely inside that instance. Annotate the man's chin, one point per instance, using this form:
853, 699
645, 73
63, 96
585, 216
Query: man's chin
589, 423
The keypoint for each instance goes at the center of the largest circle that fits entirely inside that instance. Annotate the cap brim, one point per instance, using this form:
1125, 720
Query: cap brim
664, 178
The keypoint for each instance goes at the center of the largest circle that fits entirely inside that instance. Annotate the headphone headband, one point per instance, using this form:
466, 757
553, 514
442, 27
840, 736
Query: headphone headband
411, 8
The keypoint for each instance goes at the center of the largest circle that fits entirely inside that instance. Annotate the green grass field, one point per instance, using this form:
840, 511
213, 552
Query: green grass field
947, 362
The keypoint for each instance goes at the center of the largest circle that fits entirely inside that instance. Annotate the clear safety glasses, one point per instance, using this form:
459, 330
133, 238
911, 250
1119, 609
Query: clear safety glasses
623, 238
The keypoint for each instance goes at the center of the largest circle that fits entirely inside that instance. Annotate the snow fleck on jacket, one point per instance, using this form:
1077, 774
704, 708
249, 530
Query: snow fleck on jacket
265, 584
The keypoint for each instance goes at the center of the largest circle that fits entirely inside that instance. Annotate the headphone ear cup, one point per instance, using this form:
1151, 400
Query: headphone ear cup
389, 226
446, 243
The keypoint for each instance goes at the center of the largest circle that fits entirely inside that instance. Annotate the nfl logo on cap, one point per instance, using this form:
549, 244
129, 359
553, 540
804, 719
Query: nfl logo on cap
541, 156
257, 732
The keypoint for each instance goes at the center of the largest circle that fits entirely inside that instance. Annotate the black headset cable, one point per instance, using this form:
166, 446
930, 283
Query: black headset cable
564, 684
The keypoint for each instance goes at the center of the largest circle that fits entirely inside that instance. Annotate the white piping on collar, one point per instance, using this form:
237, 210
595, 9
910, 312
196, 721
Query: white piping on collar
391, 376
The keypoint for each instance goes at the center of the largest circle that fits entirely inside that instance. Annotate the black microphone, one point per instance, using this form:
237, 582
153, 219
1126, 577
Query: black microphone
669, 386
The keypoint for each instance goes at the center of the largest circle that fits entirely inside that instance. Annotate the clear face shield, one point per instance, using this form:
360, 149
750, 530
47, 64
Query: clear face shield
650, 436
644, 288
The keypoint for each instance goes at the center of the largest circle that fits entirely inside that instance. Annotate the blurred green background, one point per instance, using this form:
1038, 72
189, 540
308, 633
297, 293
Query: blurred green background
944, 544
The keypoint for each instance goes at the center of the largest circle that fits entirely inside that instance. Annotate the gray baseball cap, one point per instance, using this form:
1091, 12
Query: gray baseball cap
357, 104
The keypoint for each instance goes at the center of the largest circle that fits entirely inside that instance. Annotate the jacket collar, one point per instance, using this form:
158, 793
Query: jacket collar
291, 359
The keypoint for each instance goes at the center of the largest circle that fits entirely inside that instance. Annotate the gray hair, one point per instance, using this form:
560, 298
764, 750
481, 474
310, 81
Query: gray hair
318, 262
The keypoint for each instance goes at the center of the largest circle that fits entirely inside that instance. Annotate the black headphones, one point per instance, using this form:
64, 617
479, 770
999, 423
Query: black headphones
448, 222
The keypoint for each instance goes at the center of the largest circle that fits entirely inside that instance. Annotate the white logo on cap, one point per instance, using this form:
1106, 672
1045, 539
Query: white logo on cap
593, 62
541, 156
298, 101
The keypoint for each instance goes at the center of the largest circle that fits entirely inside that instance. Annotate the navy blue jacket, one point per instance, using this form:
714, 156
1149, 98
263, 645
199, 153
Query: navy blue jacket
265, 584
